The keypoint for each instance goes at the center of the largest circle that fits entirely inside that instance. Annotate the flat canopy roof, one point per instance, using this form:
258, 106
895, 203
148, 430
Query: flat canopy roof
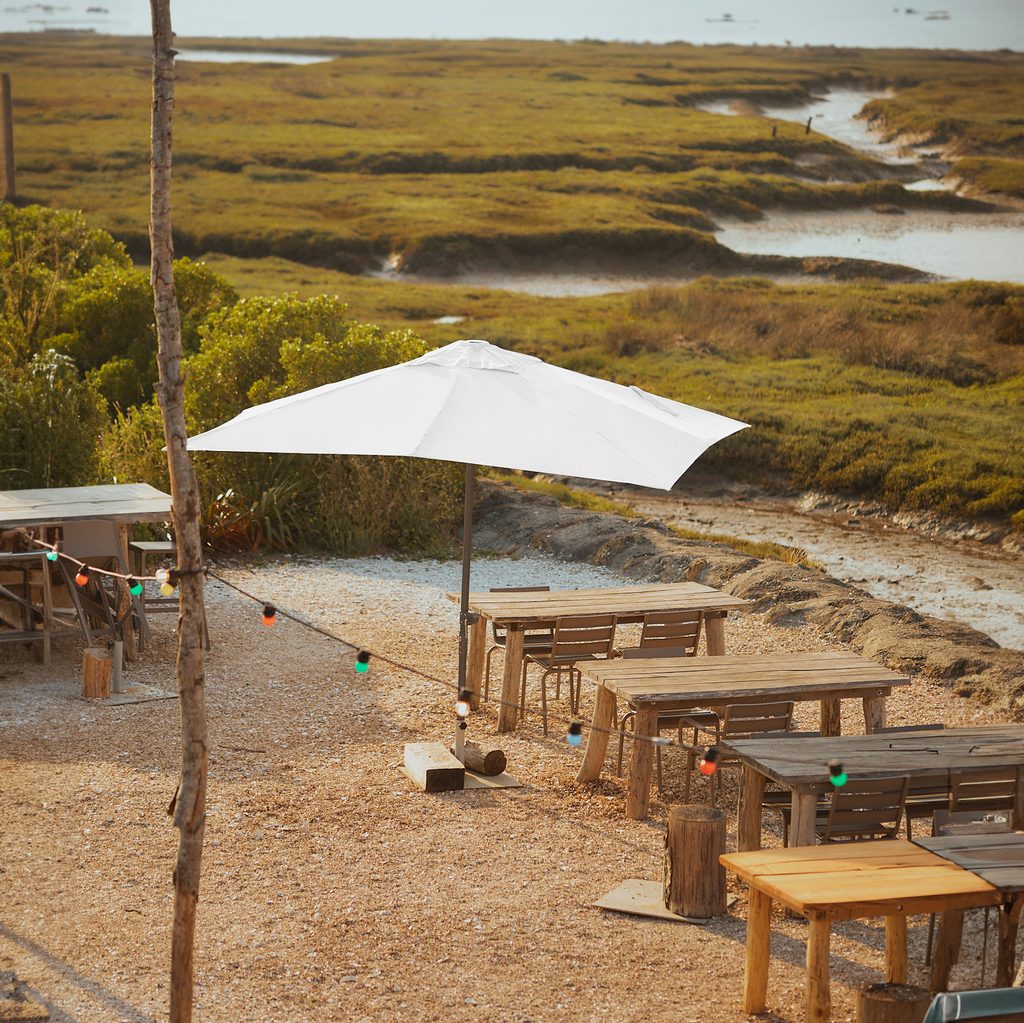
117, 502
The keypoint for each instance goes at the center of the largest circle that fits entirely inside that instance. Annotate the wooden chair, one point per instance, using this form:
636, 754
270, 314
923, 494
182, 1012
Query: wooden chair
925, 795
868, 809
668, 720
985, 790
577, 638
740, 721
533, 642
676, 630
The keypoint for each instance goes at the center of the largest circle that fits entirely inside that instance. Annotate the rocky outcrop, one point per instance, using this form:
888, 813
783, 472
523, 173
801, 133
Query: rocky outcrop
507, 519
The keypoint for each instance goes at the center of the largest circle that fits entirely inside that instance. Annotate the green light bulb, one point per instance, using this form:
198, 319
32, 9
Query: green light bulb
52, 555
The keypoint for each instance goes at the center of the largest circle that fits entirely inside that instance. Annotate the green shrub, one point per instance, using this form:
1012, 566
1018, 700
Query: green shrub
49, 421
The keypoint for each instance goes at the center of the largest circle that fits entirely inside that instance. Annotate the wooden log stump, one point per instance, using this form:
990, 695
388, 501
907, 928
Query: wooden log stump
892, 1003
483, 761
694, 877
96, 666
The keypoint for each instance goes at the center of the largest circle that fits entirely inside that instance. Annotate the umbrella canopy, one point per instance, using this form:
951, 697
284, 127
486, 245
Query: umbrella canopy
474, 403
471, 402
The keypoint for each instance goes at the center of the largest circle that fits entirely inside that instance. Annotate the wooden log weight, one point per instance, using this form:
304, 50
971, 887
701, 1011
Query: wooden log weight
483, 761
892, 1003
694, 877
96, 666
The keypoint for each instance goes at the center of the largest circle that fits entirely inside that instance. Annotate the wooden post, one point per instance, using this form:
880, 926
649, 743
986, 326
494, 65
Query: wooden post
124, 599
641, 762
189, 804
892, 1003
819, 994
831, 719
714, 634
507, 712
755, 976
597, 739
874, 713
751, 794
7, 137
896, 948
475, 665
947, 948
804, 817
1009, 923
96, 667
694, 884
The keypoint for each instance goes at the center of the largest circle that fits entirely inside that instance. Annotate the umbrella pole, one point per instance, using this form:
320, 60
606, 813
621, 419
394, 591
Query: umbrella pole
467, 553
464, 615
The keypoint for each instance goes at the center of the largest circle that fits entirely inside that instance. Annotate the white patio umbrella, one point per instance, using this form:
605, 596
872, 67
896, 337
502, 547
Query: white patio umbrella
472, 402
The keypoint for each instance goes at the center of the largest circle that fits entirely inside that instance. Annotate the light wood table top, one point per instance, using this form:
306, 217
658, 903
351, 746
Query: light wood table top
847, 880
860, 879
117, 502
629, 603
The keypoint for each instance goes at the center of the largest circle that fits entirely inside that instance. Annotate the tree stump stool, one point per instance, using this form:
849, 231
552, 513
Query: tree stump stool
694, 877
96, 666
892, 1003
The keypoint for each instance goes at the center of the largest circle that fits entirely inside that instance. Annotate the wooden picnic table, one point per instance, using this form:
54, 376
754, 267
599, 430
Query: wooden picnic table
122, 503
849, 880
118, 503
801, 765
658, 685
517, 612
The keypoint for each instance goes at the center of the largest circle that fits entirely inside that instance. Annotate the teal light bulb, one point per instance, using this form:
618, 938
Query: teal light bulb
574, 739
52, 555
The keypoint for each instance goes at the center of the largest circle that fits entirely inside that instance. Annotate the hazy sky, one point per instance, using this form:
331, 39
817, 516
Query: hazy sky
963, 24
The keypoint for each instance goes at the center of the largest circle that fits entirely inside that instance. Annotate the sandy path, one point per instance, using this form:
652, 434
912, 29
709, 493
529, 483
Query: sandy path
334, 891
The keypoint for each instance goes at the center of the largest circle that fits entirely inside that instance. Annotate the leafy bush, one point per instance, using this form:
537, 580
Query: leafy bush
49, 420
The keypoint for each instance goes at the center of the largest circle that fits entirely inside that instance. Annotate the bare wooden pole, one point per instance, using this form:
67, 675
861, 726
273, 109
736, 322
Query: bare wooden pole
7, 137
189, 805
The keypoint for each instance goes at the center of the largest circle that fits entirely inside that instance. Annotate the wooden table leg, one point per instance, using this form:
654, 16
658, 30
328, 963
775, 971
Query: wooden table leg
759, 933
751, 794
641, 762
874, 713
475, 660
831, 717
1017, 814
947, 948
510, 680
714, 635
597, 740
1009, 922
896, 949
805, 812
819, 996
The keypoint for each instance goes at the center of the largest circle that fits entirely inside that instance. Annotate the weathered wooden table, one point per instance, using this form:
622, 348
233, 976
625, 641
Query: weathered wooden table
845, 881
999, 860
801, 765
517, 612
120, 504
657, 685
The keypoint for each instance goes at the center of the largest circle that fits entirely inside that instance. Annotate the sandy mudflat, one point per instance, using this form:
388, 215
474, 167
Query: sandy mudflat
332, 890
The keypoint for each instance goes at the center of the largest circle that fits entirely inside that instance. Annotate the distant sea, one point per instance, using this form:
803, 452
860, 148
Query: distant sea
959, 24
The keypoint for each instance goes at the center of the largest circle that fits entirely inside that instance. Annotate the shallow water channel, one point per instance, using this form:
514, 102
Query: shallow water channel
960, 580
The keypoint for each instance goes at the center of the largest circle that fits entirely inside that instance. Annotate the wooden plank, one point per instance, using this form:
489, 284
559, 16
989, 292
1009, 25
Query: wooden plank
755, 976
819, 997
896, 948
846, 851
433, 768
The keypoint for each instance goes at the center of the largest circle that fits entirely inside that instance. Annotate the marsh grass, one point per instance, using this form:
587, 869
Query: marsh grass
912, 394
397, 144
763, 549
564, 495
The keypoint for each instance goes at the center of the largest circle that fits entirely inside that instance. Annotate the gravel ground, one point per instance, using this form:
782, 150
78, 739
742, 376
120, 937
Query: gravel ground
332, 889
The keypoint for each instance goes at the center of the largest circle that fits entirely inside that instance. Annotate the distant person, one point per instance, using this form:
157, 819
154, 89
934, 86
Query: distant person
807, 130
775, 130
